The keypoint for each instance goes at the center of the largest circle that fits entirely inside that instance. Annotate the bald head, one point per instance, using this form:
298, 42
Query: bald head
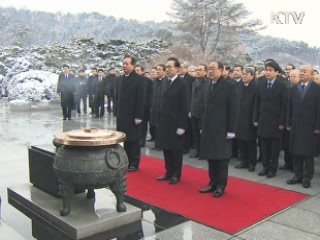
294, 77
306, 73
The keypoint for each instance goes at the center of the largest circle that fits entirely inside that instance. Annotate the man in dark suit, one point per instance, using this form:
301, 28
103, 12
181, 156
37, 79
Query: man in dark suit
173, 114
219, 127
197, 107
99, 93
130, 109
246, 132
237, 80
81, 91
110, 86
269, 117
303, 122
189, 79
66, 88
92, 81
157, 93
148, 95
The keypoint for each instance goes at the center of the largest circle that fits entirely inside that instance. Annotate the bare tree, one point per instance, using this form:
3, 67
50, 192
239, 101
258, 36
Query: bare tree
205, 22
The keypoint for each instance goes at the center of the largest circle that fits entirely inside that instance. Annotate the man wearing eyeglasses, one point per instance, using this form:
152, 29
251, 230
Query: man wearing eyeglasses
219, 127
197, 107
173, 114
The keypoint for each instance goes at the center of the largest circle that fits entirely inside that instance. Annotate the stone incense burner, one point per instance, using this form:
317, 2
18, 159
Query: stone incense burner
90, 159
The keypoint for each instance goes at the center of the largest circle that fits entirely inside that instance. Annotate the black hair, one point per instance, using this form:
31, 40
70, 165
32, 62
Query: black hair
133, 60
175, 60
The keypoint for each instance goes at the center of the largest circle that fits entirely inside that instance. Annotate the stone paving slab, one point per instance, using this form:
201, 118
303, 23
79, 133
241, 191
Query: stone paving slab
189, 231
300, 219
273, 231
312, 204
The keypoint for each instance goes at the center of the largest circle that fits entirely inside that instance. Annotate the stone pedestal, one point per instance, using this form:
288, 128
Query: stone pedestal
88, 216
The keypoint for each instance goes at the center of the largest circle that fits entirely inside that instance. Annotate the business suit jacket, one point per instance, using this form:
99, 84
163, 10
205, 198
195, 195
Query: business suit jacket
197, 95
245, 129
220, 117
190, 80
270, 108
67, 88
99, 92
130, 105
156, 99
303, 117
173, 114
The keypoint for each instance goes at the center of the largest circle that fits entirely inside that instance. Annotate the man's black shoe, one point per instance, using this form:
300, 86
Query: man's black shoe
64, 119
251, 168
218, 192
163, 178
132, 169
285, 167
263, 172
270, 175
241, 165
306, 183
207, 189
194, 154
294, 180
173, 180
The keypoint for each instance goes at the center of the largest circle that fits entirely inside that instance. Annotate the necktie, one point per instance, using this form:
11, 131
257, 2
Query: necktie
66, 76
213, 84
269, 85
303, 87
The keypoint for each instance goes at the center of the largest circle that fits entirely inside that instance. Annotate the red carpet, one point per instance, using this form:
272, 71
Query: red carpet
243, 204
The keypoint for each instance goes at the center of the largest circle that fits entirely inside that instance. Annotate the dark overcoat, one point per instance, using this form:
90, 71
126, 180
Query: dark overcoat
98, 92
245, 128
197, 95
270, 108
130, 105
303, 117
110, 85
173, 114
67, 88
220, 117
155, 102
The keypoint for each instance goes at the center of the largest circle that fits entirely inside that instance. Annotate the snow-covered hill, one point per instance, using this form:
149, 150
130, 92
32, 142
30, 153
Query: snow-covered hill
30, 74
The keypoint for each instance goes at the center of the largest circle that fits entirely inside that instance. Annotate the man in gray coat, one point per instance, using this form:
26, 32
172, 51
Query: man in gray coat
219, 127
303, 123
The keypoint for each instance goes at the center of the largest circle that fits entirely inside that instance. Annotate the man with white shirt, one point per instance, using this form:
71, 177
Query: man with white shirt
219, 127
130, 110
269, 116
303, 123
173, 114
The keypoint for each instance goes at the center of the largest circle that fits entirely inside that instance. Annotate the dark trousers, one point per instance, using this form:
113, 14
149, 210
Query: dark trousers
153, 131
270, 148
196, 126
84, 102
132, 149
173, 162
218, 173
66, 112
248, 152
91, 104
188, 136
110, 99
144, 127
235, 148
303, 167
99, 110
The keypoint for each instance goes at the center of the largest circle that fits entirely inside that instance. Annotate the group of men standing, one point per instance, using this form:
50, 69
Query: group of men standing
221, 113
76, 90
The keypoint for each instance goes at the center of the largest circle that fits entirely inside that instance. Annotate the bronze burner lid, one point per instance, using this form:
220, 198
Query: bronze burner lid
89, 137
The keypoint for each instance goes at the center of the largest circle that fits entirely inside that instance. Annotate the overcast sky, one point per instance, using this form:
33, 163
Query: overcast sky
155, 10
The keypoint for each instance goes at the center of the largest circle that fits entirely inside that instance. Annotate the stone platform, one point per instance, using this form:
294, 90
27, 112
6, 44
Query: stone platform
87, 218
